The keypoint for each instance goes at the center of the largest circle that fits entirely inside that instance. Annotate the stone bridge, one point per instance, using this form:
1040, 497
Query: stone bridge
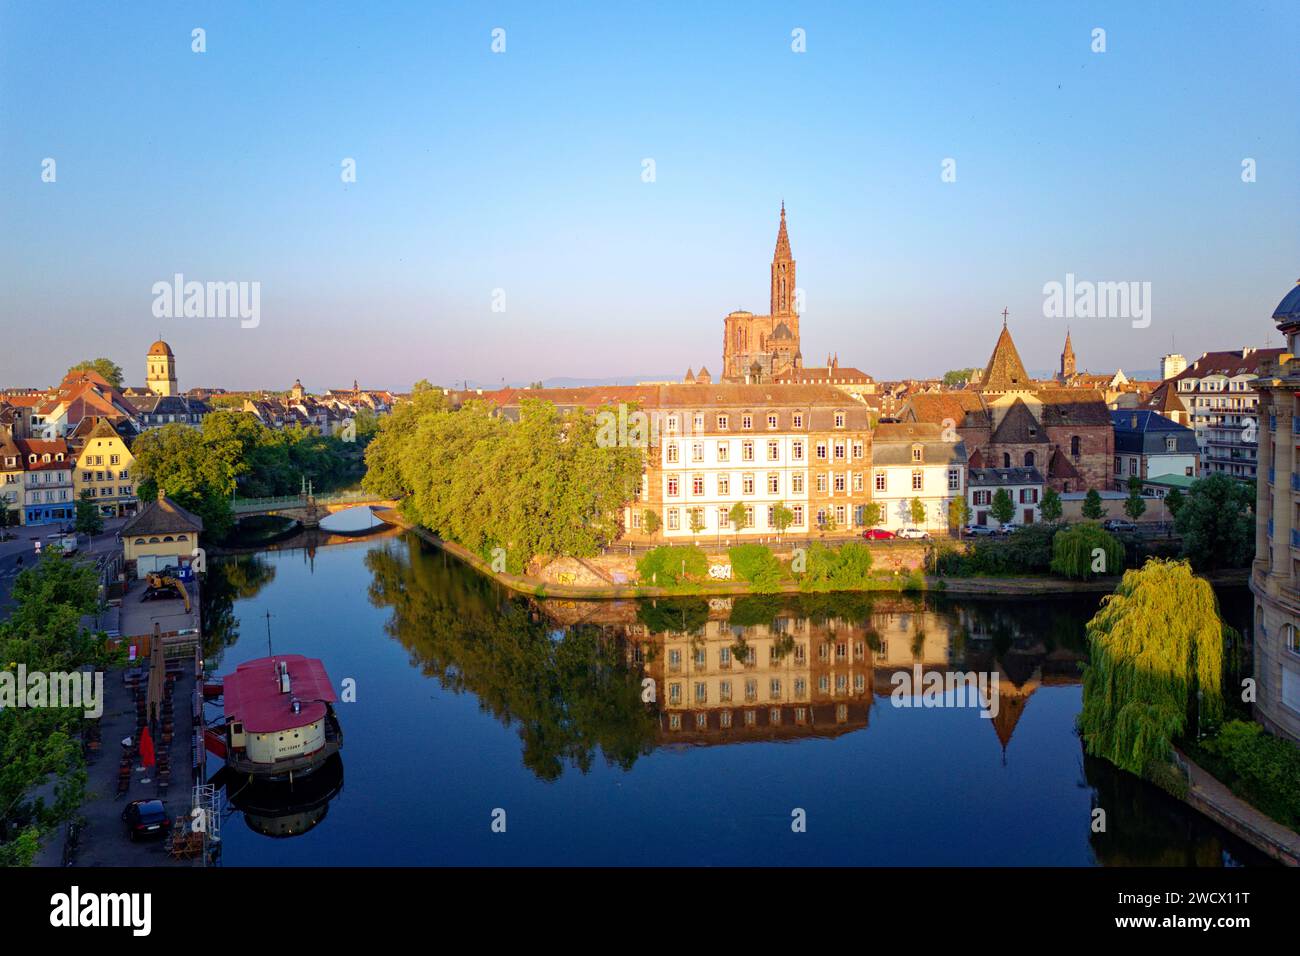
308, 509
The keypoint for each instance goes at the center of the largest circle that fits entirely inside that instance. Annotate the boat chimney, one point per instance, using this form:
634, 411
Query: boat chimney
284, 678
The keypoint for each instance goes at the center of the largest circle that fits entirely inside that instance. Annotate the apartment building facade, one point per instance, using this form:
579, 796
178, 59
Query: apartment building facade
47, 481
1219, 393
911, 461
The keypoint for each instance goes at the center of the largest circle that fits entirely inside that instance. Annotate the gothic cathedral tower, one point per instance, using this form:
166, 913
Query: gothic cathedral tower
783, 284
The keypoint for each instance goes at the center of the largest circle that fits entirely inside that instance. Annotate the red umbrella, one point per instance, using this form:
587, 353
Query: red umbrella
146, 749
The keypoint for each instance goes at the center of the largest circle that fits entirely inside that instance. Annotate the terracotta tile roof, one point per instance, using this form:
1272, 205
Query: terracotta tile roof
1073, 406
162, 516
965, 408
40, 447
1230, 363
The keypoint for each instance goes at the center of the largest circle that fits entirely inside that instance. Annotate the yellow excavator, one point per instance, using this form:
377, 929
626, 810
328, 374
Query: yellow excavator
163, 585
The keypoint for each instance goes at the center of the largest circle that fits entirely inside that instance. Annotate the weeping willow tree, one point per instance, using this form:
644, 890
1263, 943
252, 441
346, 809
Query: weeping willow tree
1156, 659
1086, 550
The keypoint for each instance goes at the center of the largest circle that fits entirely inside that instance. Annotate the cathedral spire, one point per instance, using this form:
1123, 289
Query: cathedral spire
782, 272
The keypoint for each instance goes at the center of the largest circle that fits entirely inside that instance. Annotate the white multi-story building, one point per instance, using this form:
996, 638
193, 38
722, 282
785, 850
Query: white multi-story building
1023, 485
805, 448
1219, 393
913, 461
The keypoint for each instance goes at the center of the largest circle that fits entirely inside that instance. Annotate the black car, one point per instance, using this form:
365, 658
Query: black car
146, 818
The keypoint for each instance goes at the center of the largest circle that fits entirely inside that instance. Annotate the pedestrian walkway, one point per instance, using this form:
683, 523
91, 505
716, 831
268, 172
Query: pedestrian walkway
1213, 798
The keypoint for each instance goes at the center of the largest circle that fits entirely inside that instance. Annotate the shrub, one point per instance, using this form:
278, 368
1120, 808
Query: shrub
756, 564
1074, 552
669, 565
844, 569
1259, 768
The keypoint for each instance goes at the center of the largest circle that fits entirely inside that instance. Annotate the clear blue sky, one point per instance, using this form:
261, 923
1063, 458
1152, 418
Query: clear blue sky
522, 171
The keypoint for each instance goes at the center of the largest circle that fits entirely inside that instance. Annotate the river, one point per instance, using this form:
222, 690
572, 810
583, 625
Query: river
494, 729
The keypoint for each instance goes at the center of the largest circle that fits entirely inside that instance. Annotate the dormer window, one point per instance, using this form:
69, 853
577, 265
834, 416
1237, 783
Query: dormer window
916, 453
747, 421
771, 420
839, 419
797, 420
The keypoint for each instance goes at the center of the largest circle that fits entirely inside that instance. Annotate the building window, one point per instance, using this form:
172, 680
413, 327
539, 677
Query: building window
722, 423
747, 451
673, 489
798, 420
839, 451
798, 515
1074, 445
916, 453
840, 485
724, 485
747, 484
746, 422
672, 452
954, 479
672, 424
796, 483
771, 421
839, 419
773, 483
796, 450
674, 519
918, 479
697, 485
1029, 459
724, 451
821, 451
857, 451
773, 450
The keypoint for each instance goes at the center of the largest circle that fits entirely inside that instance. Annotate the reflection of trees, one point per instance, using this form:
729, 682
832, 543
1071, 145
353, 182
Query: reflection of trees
685, 615
1147, 827
229, 580
571, 691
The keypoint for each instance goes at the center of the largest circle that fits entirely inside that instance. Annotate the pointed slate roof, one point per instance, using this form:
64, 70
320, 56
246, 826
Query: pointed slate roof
1005, 372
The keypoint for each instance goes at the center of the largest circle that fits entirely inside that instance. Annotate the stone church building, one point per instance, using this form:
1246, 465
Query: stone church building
758, 348
1009, 420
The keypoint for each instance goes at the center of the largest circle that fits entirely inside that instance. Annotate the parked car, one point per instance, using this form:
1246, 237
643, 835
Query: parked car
877, 534
981, 530
915, 534
1119, 525
146, 818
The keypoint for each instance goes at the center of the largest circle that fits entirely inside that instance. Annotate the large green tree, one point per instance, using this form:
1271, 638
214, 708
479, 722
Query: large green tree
541, 485
110, 370
1155, 665
175, 459
44, 633
1216, 523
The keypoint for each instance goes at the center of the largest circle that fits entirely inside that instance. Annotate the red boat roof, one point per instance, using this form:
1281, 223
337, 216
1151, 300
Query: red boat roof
252, 693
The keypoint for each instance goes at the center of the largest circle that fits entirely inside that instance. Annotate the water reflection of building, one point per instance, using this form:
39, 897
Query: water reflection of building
722, 681
729, 682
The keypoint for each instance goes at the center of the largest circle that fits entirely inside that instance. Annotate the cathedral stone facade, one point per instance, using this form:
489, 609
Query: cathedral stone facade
757, 348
